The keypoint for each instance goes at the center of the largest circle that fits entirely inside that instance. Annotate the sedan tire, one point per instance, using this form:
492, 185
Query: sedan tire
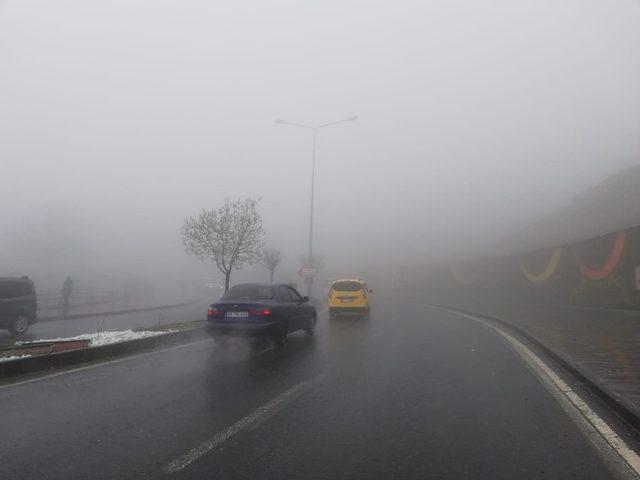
279, 337
311, 328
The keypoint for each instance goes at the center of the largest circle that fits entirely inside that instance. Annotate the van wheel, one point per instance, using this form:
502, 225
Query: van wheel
19, 325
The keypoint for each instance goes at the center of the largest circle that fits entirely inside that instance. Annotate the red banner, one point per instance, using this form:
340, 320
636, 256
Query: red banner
609, 266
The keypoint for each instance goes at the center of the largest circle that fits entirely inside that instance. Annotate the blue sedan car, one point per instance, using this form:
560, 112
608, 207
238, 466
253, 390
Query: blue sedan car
261, 310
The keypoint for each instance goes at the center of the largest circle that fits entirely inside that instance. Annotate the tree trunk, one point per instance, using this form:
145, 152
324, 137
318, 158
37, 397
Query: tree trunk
227, 277
272, 271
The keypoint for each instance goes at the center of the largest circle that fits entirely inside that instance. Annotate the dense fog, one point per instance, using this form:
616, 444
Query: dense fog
475, 119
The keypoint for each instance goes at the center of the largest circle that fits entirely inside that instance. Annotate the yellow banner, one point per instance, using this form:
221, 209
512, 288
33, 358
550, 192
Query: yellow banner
548, 271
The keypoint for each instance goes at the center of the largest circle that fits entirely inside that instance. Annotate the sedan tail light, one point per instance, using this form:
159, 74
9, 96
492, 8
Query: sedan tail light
261, 312
214, 313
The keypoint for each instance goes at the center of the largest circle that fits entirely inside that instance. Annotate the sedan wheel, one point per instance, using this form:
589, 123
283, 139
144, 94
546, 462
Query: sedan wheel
279, 337
311, 328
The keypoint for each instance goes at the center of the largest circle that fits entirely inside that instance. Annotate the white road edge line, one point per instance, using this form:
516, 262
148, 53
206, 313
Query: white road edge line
258, 415
613, 440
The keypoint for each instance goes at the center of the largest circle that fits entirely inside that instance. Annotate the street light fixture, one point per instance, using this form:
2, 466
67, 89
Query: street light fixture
315, 129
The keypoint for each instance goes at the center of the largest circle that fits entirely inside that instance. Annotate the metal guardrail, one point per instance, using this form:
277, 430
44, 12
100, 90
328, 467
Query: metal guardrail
120, 311
87, 301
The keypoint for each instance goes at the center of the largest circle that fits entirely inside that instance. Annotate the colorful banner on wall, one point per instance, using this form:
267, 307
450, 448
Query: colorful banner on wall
548, 270
607, 267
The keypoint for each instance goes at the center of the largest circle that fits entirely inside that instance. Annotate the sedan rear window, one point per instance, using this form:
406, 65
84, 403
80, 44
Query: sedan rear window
252, 292
347, 286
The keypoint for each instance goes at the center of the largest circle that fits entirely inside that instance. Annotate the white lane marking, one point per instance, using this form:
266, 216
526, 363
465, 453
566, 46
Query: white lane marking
47, 376
615, 442
372, 338
260, 415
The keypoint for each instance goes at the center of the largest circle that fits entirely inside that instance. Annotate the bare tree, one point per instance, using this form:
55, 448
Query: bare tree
231, 235
271, 258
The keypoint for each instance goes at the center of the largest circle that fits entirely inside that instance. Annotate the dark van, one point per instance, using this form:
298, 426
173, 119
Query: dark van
18, 304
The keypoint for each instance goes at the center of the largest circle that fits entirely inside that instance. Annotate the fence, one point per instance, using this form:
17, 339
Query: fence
80, 301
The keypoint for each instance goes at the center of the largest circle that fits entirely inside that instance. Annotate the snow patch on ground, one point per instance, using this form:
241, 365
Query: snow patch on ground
15, 357
106, 338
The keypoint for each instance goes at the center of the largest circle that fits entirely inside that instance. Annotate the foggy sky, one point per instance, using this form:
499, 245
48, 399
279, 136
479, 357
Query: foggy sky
119, 118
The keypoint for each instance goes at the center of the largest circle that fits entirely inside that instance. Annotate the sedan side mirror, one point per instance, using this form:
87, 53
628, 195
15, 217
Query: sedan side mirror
305, 299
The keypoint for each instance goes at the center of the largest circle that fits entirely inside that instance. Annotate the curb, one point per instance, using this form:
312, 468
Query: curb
616, 404
55, 361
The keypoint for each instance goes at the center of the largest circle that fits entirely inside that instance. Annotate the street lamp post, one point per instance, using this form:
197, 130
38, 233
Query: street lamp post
315, 129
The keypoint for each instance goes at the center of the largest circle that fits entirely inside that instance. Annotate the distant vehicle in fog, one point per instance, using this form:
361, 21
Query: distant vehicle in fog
261, 310
349, 296
18, 304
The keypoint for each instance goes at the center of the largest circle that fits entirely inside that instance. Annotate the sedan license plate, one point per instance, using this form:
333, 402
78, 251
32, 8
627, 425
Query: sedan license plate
347, 300
237, 314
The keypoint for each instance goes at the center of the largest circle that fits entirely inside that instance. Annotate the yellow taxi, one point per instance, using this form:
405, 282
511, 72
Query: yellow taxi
349, 296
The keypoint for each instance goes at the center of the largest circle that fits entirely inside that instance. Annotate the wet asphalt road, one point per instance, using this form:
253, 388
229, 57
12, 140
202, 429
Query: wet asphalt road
415, 392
